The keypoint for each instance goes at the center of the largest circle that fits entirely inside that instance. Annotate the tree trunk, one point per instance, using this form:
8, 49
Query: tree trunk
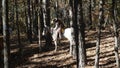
39, 26
56, 8
44, 12
1, 32
46, 16
75, 25
90, 14
26, 21
6, 43
48, 12
1, 37
34, 19
18, 30
73, 47
98, 29
29, 22
81, 27
79, 37
116, 33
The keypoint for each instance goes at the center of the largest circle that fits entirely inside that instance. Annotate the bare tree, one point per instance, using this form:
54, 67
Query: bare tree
76, 31
18, 30
90, 13
116, 33
46, 18
39, 24
5, 33
73, 47
1, 32
29, 31
98, 29
81, 27
0, 17
79, 36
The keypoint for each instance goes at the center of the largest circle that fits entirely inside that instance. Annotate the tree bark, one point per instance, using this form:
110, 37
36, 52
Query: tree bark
116, 33
75, 25
44, 12
46, 16
39, 25
48, 12
29, 22
90, 14
18, 30
72, 47
79, 36
26, 21
1, 32
98, 29
6, 43
81, 27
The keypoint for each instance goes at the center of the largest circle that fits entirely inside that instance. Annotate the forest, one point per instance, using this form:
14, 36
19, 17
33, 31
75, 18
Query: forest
59, 33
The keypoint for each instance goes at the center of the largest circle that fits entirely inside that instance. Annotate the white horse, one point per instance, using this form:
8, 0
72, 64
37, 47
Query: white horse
56, 33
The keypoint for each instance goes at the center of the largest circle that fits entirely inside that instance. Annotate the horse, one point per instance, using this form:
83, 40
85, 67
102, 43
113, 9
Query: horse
56, 33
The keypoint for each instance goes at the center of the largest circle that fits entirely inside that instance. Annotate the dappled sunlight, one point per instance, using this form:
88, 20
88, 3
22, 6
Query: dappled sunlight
48, 58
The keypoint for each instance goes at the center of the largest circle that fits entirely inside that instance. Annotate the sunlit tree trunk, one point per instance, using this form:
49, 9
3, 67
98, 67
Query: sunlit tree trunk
44, 12
98, 29
6, 43
116, 33
79, 37
81, 27
71, 12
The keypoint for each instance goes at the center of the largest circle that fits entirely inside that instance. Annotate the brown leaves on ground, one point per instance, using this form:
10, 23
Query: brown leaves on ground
47, 58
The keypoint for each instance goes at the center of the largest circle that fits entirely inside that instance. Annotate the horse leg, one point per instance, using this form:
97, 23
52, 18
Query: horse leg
55, 42
71, 48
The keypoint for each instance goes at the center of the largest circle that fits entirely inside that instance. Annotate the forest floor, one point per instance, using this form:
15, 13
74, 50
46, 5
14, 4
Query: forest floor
47, 58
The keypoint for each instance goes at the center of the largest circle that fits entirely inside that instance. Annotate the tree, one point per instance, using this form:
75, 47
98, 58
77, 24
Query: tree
116, 33
81, 32
5, 33
29, 31
46, 18
1, 17
72, 48
48, 12
76, 31
1, 32
79, 36
18, 30
39, 24
90, 12
98, 29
